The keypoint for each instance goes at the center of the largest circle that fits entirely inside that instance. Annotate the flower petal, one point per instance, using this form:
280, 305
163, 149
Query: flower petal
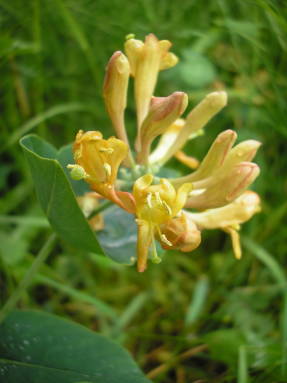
219, 191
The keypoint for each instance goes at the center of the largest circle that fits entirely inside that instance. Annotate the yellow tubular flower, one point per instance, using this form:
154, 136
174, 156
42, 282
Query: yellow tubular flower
218, 191
217, 186
163, 112
197, 119
228, 217
223, 174
155, 205
99, 161
213, 159
115, 91
146, 60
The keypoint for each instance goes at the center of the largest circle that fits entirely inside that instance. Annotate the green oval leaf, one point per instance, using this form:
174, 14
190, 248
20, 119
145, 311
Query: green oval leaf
56, 195
119, 236
38, 347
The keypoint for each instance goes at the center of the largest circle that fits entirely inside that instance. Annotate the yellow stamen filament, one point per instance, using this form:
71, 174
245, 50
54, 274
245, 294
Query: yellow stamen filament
165, 240
235, 239
158, 199
108, 169
167, 208
149, 200
107, 150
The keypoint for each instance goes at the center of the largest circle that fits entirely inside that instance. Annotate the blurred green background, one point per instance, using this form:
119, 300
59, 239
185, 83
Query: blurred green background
204, 317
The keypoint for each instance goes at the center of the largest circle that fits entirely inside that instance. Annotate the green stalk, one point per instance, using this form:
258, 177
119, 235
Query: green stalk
24, 283
100, 208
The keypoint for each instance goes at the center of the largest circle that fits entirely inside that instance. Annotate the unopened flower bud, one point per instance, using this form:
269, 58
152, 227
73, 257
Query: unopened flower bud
245, 151
198, 118
163, 112
115, 91
146, 60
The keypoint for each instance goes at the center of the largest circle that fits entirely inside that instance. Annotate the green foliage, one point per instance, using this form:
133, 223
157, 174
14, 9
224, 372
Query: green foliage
38, 347
56, 196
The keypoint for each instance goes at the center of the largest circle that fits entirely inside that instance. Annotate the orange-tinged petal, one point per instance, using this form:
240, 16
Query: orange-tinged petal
115, 91
163, 112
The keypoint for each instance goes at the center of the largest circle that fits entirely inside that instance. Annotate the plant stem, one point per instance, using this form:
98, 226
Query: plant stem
24, 283
101, 207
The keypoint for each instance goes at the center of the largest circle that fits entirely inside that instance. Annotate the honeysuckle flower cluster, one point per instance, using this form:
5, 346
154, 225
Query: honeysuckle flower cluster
171, 211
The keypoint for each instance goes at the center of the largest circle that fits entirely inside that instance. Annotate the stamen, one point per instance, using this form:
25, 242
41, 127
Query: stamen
167, 208
165, 240
149, 200
108, 169
155, 258
235, 239
107, 150
157, 196
163, 237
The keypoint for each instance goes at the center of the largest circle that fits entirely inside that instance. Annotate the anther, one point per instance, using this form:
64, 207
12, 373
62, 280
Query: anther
149, 200
108, 169
158, 199
106, 150
165, 240
167, 208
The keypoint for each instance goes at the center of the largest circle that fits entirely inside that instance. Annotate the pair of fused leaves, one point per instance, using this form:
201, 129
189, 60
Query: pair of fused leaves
57, 195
